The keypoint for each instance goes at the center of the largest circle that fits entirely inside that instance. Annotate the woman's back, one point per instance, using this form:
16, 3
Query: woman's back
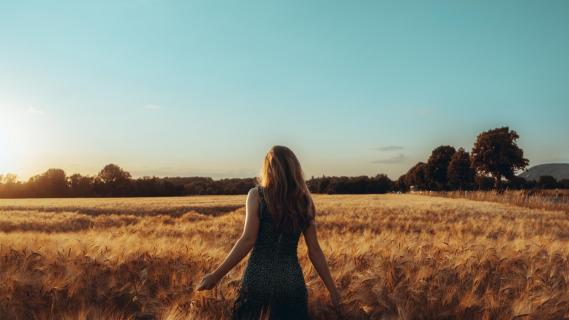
276, 214
273, 282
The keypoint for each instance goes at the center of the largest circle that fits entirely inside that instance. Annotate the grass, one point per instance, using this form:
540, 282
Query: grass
536, 199
392, 256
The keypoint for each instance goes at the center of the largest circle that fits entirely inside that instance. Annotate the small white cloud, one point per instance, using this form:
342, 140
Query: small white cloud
152, 107
390, 148
35, 111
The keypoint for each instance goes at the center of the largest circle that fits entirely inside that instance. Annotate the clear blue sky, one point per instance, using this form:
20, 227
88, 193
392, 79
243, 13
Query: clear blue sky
205, 88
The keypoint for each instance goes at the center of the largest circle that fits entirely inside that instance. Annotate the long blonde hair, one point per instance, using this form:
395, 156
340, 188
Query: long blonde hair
285, 191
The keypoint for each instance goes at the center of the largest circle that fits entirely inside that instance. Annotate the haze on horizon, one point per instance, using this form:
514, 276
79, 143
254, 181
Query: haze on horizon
185, 88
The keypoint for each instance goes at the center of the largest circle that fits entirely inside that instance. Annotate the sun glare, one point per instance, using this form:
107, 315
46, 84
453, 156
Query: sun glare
16, 143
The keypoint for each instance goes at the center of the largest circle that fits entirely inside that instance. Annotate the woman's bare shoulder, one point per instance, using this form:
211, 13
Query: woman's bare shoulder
253, 193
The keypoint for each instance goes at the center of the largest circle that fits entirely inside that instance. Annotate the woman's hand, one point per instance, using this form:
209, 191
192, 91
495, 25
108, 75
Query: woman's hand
209, 281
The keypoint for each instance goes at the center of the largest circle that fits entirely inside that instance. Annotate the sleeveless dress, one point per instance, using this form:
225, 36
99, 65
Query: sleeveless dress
273, 284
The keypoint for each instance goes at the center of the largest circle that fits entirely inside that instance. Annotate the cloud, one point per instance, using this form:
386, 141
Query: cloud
391, 160
152, 107
35, 111
390, 148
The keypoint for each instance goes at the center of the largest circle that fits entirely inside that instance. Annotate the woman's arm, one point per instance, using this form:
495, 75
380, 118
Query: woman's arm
319, 262
241, 247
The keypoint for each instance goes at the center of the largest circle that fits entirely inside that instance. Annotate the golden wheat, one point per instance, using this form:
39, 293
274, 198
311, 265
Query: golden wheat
537, 199
393, 257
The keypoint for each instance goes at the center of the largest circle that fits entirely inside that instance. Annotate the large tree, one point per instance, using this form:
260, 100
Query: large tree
52, 183
112, 173
496, 153
114, 181
416, 176
437, 167
460, 172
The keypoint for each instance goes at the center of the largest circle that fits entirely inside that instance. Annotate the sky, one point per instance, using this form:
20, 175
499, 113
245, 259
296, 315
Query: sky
185, 88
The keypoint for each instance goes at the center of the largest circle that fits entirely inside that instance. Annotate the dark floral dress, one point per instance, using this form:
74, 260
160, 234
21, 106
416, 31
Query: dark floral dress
273, 284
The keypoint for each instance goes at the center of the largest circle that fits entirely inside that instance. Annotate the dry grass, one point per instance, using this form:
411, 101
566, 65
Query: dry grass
537, 199
393, 257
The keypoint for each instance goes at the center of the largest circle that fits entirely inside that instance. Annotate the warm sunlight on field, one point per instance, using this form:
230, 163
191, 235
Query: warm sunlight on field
393, 257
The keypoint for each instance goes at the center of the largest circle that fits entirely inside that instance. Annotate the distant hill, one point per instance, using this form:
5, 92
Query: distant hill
557, 170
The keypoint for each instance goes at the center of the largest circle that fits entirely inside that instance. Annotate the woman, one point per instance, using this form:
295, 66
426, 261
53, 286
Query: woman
277, 212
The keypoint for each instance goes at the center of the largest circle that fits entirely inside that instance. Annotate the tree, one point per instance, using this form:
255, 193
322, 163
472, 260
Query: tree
460, 173
349, 185
81, 186
10, 178
483, 182
563, 183
114, 181
401, 184
52, 183
437, 167
416, 176
381, 184
56, 182
496, 153
547, 182
519, 183
112, 173
10, 187
323, 185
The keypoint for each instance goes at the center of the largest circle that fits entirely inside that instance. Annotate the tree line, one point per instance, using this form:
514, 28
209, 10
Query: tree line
113, 181
494, 157
351, 185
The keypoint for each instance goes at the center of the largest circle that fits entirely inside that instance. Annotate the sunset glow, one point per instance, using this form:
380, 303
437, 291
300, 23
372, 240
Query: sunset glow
196, 88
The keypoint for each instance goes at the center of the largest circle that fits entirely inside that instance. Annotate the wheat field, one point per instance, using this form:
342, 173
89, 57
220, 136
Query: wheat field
392, 256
